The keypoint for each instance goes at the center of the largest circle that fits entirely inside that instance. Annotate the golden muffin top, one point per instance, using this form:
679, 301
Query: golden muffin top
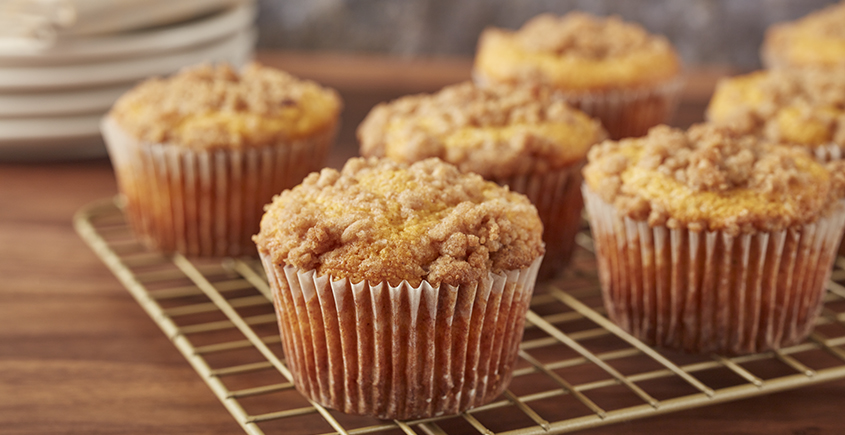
379, 220
816, 40
804, 107
499, 131
710, 178
576, 52
210, 106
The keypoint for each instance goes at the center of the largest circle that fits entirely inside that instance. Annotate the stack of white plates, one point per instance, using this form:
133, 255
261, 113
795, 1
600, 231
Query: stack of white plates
52, 100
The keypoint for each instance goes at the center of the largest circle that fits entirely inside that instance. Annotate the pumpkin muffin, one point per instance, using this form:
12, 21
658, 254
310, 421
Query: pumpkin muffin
521, 137
611, 69
401, 291
805, 108
710, 241
197, 155
814, 41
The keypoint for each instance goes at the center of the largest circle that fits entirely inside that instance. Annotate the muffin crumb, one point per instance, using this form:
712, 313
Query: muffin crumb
210, 106
495, 132
583, 35
805, 107
378, 220
711, 178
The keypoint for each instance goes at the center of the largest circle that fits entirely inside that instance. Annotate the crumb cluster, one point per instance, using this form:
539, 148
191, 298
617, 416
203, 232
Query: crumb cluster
806, 106
216, 106
378, 220
823, 22
496, 131
583, 35
717, 178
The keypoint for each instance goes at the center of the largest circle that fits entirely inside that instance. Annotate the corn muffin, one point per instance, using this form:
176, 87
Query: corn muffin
804, 107
711, 241
197, 155
814, 41
613, 70
401, 291
521, 137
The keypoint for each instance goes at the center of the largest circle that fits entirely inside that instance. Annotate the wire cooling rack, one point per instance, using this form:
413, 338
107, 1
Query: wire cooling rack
576, 369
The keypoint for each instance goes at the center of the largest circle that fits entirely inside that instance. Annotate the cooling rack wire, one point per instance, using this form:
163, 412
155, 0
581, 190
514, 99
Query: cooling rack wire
576, 369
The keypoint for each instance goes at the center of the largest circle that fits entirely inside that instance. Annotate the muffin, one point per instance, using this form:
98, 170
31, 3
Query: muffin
197, 155
814, 41
401, 291
612, 70
520, 137
710, 241
805, 108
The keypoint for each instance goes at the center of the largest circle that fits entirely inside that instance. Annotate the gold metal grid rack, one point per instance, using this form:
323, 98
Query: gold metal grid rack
577, 370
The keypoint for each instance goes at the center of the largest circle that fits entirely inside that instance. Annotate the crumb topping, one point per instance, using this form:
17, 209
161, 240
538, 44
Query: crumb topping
805, 107
817, 39
576, 52
711, 178
379, 220
216, 106
583, 35
823, 22
498, 131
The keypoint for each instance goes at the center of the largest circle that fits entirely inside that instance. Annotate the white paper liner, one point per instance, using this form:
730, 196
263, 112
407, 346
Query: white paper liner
400, 352
629, 112
205, 202
770, 58
709, 291
828, 152
622, 112
557, 196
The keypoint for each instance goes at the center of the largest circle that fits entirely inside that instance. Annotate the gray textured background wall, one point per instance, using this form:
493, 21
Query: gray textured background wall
704, 31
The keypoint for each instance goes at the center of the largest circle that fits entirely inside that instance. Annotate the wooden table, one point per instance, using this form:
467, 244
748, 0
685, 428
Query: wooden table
78, 355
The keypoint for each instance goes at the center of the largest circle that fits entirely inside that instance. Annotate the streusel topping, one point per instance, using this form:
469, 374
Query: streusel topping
216, 106
495, 132
584, 35
378, 220
576, 52
817, 39
806, 107
710, 178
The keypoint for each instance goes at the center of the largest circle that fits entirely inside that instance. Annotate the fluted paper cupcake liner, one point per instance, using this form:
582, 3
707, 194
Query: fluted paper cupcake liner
400, 352
629, 112
828, 152
622, 112
205, 202
557, 196
712, 291
772, 56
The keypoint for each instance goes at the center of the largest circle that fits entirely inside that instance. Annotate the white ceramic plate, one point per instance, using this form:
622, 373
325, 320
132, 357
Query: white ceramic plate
51, 138
46, 134
77, 101
145, 42
49, 127
235, 49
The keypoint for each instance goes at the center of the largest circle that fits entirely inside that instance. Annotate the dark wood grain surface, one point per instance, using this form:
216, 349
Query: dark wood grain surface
78, 355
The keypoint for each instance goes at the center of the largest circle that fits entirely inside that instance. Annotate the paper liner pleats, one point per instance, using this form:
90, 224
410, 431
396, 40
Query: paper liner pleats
712, 291
205, 202
828, 152
557, 196
629, 112
400, 352
622, 112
